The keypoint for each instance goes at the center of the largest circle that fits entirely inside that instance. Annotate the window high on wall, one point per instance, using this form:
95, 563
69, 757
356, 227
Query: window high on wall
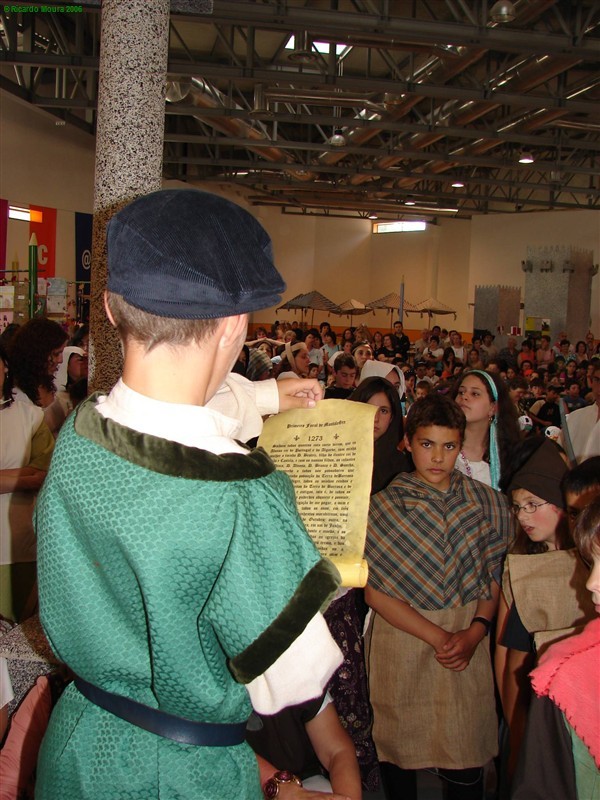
25, 214
399, 227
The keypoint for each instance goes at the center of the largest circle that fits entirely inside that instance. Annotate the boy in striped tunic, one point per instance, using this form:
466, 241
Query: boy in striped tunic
436, 541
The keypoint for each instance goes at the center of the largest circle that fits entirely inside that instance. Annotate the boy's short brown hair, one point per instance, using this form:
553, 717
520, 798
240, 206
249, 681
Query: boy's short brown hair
151, 330
344, 360
435, 409
587, 531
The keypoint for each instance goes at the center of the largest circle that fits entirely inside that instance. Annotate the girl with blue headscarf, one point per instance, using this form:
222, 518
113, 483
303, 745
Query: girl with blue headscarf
492, 429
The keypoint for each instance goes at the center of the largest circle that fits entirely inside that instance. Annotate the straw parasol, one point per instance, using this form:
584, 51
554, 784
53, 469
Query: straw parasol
315, 301
352, 308
391, 302
432, 307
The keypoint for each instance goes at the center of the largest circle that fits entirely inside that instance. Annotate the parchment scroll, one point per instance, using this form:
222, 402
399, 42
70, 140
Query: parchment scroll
328, 453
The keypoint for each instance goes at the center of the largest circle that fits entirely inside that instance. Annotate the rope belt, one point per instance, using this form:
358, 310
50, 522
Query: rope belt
169, 726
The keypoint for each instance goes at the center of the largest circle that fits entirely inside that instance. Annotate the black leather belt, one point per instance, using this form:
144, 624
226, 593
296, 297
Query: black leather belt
186, 731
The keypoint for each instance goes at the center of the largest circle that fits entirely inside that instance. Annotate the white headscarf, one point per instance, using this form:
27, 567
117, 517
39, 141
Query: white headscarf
61, 376
381, 369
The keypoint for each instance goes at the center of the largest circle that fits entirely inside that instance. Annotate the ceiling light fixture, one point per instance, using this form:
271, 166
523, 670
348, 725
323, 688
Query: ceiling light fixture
410, 200
457, 184
338, 139
303, 52
502, 11
526, 157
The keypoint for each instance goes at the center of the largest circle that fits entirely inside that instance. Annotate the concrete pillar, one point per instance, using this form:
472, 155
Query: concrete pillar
129, 144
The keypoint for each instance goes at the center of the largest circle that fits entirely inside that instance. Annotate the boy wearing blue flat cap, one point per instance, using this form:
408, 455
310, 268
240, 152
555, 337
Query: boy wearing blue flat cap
177, 580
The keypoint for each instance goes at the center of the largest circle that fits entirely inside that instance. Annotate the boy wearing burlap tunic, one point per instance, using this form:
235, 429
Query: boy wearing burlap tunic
435, 544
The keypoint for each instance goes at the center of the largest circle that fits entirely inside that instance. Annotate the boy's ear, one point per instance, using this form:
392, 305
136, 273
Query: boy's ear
107, 310
232, 328
407, 444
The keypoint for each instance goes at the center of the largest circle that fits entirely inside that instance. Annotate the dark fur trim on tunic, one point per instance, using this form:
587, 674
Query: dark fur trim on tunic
164, 456
312, 595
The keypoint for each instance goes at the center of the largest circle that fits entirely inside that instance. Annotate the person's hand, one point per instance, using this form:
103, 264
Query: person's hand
457, 652
439, 639
291, 791
299, 393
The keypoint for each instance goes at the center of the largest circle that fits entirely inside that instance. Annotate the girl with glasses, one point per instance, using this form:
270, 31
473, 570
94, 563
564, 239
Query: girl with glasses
526, 603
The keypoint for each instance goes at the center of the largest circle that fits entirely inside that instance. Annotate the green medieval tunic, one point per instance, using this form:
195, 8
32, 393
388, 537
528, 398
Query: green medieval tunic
175, 577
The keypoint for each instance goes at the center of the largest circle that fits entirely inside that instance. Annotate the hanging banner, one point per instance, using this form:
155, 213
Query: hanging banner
45, 231
3, 232
83, 247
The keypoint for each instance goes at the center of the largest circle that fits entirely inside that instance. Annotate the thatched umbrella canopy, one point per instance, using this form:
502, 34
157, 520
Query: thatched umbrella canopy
315, 301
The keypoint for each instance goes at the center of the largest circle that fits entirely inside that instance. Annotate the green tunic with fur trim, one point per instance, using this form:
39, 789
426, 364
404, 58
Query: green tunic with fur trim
171, 576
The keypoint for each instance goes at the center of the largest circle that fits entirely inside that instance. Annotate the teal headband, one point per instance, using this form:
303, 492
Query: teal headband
493, 446
489, 380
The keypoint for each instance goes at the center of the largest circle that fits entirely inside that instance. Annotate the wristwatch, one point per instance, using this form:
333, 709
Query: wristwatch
485, 622
271, 787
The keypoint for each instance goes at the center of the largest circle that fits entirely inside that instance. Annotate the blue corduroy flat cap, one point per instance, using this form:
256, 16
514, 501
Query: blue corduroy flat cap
187, 254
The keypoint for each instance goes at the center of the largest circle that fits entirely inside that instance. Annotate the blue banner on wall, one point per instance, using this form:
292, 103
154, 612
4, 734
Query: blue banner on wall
83, 246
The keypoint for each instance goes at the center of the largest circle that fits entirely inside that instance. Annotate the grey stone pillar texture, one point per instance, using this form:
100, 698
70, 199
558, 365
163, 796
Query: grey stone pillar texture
129, 144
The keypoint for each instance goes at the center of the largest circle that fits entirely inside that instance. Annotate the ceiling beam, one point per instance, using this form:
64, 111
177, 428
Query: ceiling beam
383, 27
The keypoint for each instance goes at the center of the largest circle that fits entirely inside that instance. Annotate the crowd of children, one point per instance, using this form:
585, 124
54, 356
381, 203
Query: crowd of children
178, 584
485, 413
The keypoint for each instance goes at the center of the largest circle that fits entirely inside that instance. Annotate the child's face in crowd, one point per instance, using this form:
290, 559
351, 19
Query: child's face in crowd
302, 361
383, 415
576, 502
421, 393
55, 359
362, 354
434, 451
393, 378
266, 348
593, 582
516, 395
540, 525
78, 367
313, 371
474, 400
345, 377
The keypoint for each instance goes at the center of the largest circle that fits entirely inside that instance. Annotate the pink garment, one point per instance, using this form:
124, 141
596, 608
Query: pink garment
19, 755
569, 674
